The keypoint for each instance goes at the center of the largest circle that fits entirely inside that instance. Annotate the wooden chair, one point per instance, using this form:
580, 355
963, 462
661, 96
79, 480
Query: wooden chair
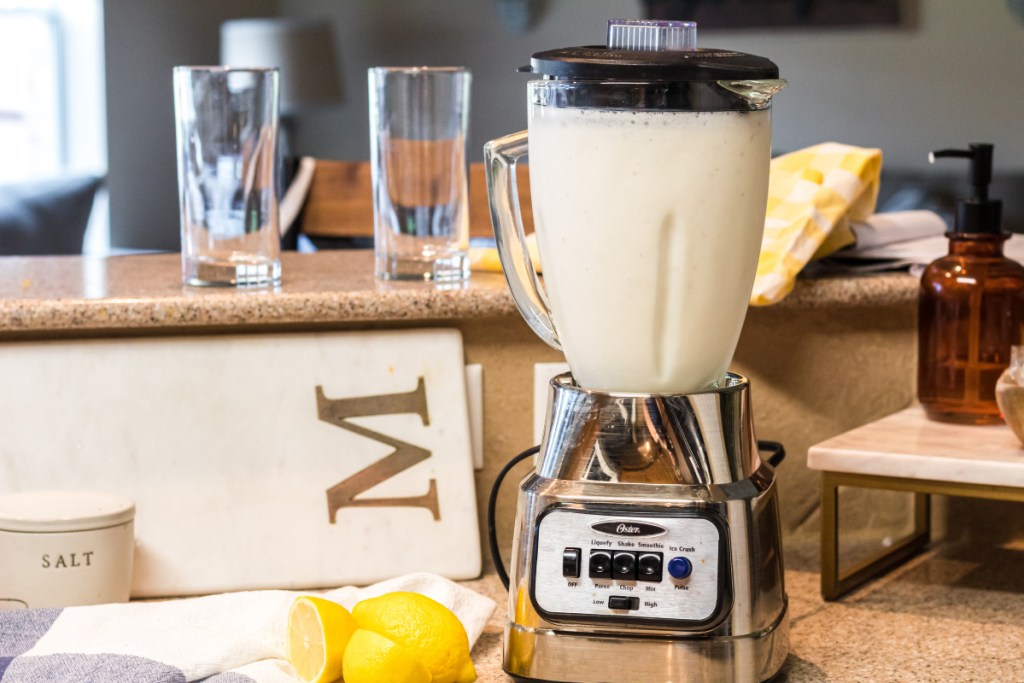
339, 204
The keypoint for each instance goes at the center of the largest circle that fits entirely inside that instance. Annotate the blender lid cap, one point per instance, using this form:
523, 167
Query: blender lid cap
596, 62
651, 51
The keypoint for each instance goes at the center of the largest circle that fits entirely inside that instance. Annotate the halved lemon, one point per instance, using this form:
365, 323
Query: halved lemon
318, 633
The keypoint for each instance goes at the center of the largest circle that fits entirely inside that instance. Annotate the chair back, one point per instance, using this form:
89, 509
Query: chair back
340, 201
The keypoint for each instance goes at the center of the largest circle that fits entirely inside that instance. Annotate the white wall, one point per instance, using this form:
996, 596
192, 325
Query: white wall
955, 77
441, 32
144, 41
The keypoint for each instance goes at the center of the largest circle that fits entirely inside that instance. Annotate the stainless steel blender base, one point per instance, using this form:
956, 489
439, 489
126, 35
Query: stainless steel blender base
647, 545
546, 656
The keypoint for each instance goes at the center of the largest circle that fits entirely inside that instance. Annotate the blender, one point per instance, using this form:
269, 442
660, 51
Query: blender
647, 543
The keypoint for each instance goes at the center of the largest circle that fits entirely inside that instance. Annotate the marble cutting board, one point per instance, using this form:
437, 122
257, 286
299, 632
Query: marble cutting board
241, 450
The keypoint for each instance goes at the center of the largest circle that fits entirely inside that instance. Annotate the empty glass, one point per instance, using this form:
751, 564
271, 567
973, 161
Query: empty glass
227, 122
418, 122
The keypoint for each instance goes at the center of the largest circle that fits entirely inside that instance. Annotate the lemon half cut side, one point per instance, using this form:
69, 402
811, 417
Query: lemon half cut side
318, 633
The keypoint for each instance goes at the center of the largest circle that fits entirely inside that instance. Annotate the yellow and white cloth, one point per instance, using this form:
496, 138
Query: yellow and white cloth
486, 259
813, 195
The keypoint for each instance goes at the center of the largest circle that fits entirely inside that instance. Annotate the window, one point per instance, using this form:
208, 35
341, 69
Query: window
31, 136
52, 113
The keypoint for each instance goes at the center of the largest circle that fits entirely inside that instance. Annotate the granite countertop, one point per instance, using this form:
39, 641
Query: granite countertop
55, 295
954, 613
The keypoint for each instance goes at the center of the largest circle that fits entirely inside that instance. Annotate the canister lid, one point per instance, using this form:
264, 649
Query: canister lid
595, 62
664, 51
58, 511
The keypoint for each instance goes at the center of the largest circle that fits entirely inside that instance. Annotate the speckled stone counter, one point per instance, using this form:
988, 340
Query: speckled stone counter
44, 296
143, 293
955, 613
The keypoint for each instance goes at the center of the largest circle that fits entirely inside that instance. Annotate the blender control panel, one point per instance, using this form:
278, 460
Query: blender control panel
597, 565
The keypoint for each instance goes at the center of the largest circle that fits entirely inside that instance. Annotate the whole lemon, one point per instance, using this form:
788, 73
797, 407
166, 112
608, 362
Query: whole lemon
424, 627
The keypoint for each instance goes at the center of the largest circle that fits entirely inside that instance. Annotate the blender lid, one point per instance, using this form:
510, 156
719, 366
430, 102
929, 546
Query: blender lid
651, 57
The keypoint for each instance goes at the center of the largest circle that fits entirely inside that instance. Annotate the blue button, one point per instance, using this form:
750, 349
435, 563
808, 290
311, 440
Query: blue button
679, 567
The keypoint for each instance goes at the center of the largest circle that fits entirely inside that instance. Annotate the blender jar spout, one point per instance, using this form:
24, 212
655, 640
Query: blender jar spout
757, 92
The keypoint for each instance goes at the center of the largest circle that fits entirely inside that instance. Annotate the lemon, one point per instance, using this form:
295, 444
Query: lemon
425, 628
318, 633
372, 658
521, 642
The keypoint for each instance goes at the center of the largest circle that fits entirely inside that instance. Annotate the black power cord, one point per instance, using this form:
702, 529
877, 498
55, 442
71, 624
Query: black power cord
775, 449
492, 503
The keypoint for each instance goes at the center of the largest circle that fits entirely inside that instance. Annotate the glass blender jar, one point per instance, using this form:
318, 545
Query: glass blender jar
649, 175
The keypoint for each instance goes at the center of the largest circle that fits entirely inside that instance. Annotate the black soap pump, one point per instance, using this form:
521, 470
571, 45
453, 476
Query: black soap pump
971, 307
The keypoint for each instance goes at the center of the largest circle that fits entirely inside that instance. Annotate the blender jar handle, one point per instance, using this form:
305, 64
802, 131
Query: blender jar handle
501, 156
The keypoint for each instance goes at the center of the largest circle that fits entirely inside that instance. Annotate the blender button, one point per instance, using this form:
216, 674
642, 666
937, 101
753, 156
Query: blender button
623, 602
571, 563
600, 564
649, 567
679, 567
624, 566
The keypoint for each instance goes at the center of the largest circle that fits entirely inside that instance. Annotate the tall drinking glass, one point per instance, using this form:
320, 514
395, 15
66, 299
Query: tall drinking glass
418, 123
227, 122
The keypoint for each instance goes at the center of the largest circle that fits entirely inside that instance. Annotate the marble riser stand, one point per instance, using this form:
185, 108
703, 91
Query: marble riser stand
907, 445
219, 440
906, 452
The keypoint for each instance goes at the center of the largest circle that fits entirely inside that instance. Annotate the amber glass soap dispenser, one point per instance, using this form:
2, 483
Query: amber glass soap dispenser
971, 307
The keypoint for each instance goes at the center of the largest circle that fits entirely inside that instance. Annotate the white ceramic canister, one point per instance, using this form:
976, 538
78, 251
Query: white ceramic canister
63, 548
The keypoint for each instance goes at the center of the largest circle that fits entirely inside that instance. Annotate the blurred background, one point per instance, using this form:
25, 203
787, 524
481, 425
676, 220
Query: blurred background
85, 85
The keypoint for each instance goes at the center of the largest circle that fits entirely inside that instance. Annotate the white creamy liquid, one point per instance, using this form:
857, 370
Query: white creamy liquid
649, 226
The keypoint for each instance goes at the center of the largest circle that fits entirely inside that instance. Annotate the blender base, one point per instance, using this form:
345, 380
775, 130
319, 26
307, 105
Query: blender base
675, 483
546, 656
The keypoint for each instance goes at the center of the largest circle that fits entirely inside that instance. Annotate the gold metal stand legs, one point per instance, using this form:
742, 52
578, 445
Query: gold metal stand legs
835, 582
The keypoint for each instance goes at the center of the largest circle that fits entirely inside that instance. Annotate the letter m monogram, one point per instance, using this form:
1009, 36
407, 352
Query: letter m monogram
337, 412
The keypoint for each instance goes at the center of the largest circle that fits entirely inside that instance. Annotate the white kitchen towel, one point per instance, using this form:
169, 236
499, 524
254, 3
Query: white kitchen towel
882, 229
227, 638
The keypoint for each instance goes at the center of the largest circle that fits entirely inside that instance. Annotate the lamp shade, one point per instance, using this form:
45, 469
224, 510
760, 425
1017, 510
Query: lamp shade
302, 49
